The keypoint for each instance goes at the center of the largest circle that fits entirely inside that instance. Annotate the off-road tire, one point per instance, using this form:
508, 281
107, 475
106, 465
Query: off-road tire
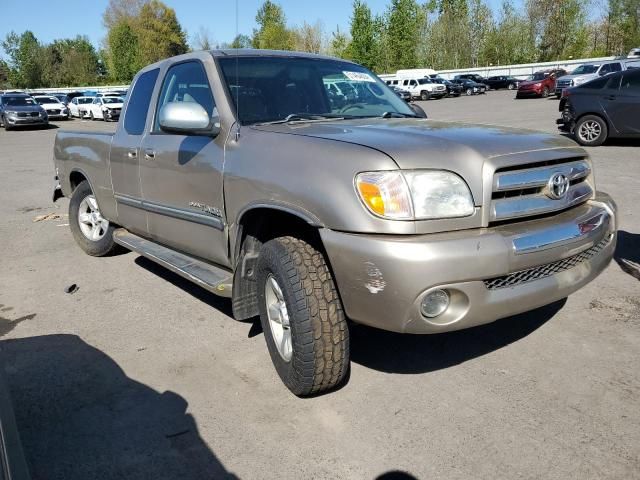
604, 131
319, 331
100, 248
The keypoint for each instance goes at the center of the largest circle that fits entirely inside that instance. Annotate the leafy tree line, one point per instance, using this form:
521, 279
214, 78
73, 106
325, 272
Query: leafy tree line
439, 34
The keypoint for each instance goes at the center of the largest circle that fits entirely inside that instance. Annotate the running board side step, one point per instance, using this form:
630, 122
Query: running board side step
214, 279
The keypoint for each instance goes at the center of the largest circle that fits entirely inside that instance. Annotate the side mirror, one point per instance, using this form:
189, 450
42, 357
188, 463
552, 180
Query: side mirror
187, 118
417, 109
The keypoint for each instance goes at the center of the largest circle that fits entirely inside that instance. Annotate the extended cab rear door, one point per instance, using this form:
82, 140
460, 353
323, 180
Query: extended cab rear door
181, 175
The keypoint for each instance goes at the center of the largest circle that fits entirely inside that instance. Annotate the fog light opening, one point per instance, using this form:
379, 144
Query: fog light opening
435, 303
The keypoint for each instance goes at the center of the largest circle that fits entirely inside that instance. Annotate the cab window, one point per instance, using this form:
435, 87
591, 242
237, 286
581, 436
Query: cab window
185, 82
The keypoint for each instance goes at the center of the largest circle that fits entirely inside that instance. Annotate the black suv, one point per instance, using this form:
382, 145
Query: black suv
502, 81
474, 77
603, 108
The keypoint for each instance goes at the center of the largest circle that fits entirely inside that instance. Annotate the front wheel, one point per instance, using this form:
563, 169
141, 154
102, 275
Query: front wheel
302, 318
92, 232
425, 96
545, 92
511, 86
91, 116
469, 92
591, 131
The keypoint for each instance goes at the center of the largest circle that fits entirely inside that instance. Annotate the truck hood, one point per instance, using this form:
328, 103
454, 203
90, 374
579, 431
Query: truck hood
408, 141
584, 77
423, 143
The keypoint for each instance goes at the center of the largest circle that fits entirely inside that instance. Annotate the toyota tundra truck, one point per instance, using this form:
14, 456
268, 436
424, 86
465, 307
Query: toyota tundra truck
239, 171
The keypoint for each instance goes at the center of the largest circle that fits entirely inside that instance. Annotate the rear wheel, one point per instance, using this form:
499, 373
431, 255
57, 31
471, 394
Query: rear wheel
302, 318
511, 86
90, 229
591, 131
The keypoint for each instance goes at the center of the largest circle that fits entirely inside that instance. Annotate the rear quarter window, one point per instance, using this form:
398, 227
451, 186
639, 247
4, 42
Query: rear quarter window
138, 106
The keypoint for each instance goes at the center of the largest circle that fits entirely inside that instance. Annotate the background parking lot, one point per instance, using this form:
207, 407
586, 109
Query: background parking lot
140, 374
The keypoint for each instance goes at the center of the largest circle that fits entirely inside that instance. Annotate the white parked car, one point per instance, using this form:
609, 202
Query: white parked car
54, 108
105, 108
78, 107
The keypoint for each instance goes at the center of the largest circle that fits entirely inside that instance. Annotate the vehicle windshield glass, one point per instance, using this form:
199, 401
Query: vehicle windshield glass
539, 76
85, 100
422, 81
18, 101
268, 89
582, 69
111, 100
47, 100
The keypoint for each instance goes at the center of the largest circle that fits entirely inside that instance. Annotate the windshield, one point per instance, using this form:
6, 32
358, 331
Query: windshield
47, 100
582, 69
85, 100
539, 76
19, 101
422, 81
267, 89
111, 100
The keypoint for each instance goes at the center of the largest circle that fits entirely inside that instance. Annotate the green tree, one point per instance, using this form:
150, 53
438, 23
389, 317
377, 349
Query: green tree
272, 32
309, 37
122, 59
623, 26
70, 62
480, 24
118, 10
241, 41
511, 40
340, 44
363, 35
159, 33
25, 55
4, 74
404, 19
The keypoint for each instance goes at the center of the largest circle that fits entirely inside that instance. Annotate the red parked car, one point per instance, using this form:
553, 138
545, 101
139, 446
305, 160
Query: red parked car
541, 84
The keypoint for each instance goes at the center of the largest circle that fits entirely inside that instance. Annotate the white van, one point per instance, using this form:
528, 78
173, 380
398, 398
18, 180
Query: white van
420, 87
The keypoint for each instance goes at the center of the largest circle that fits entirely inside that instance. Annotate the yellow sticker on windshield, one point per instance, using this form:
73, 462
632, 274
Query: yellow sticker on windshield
359, 77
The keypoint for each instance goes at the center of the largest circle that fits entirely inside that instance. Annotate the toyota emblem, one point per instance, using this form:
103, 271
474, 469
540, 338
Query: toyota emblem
558, 186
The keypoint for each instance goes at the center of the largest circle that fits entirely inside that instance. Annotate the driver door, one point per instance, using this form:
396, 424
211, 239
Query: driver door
181, 175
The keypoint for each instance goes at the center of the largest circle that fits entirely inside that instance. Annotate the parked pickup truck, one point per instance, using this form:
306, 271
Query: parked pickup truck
234, 169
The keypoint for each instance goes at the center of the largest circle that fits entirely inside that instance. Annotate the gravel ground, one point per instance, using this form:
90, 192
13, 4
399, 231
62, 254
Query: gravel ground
139, 374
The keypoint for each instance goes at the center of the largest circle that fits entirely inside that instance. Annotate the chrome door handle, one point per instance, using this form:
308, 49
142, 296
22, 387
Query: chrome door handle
149, 154
132, 153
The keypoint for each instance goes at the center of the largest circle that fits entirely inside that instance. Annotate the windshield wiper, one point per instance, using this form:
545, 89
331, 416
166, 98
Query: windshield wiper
397, 115
304, 117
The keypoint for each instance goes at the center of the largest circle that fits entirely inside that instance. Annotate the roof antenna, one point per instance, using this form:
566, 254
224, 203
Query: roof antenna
237, 85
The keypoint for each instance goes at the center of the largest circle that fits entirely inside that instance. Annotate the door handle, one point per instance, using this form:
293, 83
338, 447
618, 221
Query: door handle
132, 153
149, 154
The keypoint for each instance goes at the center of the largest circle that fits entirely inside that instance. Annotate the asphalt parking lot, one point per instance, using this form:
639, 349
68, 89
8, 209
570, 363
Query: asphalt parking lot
139, 374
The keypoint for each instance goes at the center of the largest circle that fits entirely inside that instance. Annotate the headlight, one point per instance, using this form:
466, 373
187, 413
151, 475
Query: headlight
538, 84
11, 113
415, 195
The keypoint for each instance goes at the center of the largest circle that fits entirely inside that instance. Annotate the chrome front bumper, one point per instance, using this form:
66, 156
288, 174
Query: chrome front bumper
489, 273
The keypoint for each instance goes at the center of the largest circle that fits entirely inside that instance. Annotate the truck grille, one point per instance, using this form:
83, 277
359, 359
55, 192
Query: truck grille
543, 271
560, 83
527, 192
